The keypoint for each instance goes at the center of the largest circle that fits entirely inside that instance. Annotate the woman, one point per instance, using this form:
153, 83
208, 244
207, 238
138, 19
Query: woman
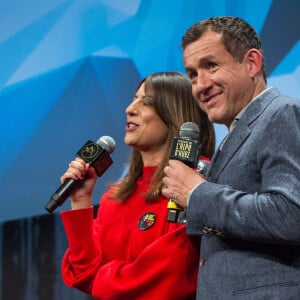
130, 250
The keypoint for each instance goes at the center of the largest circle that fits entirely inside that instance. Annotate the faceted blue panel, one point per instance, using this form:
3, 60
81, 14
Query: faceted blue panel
69, 68
56, 113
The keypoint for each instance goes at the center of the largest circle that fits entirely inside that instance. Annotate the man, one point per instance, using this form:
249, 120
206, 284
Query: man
247, 209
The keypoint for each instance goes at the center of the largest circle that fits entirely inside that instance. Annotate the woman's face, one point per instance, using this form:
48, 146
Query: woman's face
144, 128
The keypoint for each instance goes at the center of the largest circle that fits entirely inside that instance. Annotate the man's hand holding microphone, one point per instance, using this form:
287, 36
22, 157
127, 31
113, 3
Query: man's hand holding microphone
179, 181
181, 174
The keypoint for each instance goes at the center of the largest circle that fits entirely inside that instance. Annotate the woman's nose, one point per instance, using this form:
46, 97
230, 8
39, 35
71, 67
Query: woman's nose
131, 109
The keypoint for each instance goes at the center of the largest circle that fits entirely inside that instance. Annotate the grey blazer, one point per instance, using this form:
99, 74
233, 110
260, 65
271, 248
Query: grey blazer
248, 213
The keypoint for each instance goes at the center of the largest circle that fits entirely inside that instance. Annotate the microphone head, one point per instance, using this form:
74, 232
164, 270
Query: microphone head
189, 130
108, 143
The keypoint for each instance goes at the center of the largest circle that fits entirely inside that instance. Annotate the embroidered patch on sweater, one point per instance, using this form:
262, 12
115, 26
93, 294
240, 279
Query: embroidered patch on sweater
147, 221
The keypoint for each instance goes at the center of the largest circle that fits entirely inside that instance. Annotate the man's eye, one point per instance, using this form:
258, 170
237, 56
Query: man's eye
192, 75
212, 65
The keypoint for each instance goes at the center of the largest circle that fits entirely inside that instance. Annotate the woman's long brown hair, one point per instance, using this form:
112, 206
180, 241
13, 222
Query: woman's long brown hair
174, 103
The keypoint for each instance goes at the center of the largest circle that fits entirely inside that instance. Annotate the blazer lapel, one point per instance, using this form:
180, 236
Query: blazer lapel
234, 141
239, 134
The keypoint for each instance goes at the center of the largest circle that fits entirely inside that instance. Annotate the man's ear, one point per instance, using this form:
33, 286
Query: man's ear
254, 58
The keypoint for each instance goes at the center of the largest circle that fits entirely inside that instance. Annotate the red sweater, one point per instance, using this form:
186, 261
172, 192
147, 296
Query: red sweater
118, 256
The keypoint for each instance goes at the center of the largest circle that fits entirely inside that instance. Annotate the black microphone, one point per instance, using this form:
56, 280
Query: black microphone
185, 148
97, 154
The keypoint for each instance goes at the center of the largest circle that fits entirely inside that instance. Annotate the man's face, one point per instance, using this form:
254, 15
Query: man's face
221, 85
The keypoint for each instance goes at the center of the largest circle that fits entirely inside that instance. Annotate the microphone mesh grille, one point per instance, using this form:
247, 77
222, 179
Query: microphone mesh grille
189, 130
108, 143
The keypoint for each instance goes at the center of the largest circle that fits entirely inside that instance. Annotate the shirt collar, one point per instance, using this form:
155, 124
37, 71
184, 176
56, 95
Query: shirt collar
239, 115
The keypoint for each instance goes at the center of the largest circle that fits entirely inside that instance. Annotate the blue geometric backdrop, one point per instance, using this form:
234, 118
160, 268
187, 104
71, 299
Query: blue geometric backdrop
68, 69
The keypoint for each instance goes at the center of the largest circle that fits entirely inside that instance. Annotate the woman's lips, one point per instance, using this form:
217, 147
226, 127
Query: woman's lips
130, 126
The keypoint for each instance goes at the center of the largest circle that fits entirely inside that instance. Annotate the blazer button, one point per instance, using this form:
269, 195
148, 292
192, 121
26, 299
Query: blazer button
201, 262
206, 230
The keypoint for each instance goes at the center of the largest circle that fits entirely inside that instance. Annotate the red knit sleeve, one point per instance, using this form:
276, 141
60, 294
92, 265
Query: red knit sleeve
166, 269
83, 258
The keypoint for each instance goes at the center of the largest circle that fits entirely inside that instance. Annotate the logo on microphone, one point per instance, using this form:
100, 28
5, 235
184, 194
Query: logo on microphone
183, 149
96, 155
89, 151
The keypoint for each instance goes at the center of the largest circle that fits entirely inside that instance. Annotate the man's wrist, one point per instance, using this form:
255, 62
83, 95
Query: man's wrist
191, 192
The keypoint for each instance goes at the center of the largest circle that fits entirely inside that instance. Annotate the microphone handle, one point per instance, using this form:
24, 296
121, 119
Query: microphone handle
61, 194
